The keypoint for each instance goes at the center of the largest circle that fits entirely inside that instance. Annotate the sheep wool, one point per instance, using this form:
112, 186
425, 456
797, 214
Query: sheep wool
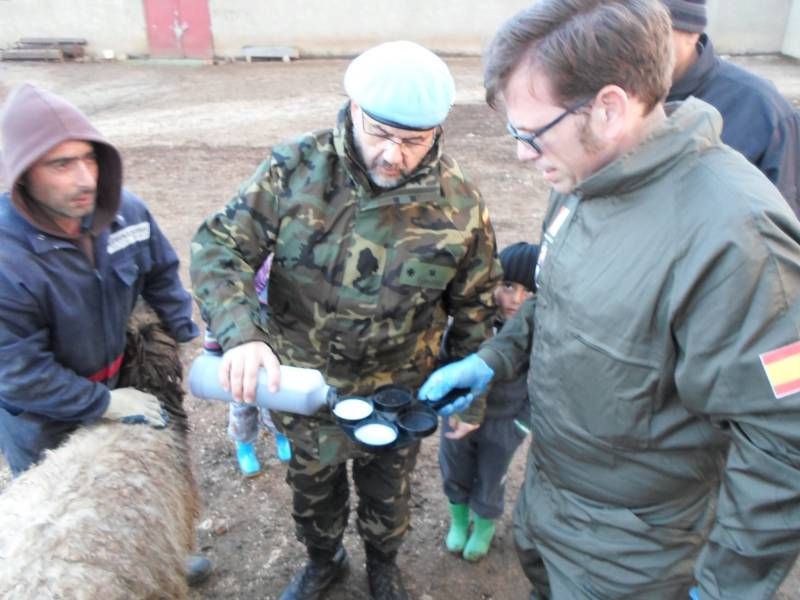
109, 514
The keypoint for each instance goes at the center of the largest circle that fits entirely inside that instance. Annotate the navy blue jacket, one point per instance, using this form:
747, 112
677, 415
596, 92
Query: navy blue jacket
757, 120
63, 320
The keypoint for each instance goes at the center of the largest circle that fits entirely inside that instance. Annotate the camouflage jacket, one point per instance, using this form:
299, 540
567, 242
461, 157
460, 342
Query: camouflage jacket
363, 279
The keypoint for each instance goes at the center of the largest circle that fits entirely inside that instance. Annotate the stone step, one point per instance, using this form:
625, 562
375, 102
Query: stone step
284, 53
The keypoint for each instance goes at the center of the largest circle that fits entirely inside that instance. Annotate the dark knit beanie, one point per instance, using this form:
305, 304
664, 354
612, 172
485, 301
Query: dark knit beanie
519, 263
688, 15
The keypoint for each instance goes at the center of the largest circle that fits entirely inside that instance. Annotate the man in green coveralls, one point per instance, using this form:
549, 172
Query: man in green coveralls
378, 239
663, 345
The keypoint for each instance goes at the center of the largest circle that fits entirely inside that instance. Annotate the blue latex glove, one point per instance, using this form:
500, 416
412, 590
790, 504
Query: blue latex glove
470, 372
694, 594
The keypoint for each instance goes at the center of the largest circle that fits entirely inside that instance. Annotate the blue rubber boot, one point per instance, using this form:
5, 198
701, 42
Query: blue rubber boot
248, 461
283, 447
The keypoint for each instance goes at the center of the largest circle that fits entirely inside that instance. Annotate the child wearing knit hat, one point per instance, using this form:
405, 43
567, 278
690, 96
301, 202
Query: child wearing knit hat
474, 467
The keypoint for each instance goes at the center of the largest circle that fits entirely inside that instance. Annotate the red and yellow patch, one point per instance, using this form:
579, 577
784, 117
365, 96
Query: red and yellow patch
782, 367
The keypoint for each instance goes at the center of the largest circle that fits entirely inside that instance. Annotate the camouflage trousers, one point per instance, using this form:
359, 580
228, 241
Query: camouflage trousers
321, 504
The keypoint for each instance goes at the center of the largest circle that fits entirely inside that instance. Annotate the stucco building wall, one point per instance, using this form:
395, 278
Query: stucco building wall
345, 27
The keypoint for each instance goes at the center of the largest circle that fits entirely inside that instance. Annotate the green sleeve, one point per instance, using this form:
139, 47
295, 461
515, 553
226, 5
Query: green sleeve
742, 300
508, 352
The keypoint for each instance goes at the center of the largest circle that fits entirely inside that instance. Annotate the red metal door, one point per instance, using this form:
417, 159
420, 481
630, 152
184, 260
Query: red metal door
179, 28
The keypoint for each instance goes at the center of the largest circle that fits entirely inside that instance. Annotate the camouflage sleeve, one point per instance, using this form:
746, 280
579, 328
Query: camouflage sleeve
227, 251
470, 298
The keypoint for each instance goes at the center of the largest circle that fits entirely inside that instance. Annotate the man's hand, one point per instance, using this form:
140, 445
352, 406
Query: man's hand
129, 405
470, 372
238, 372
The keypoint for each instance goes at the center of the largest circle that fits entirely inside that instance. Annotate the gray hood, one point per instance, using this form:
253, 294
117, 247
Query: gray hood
35, 121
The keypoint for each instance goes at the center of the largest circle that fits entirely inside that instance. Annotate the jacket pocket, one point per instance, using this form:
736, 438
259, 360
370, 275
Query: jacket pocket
415, 282
418, 273
611, 393
127, 272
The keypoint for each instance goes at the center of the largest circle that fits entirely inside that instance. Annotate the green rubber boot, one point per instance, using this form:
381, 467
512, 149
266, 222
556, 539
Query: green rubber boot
459, 526
482, 533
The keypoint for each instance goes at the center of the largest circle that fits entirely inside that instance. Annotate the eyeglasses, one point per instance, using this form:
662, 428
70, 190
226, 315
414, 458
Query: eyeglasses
413, 143
530, 138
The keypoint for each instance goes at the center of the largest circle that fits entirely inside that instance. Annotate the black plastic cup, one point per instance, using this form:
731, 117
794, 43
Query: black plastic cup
392, 398
417, 420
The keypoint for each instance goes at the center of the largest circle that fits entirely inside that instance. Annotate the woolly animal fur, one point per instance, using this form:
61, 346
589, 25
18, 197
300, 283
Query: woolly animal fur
109, 515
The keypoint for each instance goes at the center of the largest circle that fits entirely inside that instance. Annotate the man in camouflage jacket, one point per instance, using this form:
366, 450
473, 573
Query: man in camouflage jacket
378, 238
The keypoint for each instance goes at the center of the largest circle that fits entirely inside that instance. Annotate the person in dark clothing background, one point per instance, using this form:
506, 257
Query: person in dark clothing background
757, 120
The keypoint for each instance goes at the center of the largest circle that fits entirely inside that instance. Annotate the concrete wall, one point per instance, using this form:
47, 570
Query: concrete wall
322, 27
105, 24
748, 26
791, 41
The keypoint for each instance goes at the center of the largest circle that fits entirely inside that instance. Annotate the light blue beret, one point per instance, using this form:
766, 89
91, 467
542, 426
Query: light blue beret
401, 84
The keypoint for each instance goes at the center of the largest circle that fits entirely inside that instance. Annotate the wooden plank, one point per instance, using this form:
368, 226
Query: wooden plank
71, 47
32, 54
67, 51
54, 41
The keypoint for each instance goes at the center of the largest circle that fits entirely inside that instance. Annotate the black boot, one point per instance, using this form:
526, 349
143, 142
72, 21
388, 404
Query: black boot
322, 569
383, 576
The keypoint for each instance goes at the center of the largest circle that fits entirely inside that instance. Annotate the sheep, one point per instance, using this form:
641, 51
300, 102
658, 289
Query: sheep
109, 514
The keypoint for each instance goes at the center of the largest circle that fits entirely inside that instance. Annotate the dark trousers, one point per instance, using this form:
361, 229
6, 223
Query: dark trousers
474, 467
321, 498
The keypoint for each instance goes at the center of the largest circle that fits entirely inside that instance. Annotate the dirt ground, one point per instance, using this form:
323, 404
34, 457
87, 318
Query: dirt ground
189, 133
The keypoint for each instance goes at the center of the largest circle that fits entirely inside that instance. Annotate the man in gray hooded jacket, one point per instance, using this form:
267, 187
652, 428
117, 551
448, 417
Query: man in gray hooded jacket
77, 253
663, 346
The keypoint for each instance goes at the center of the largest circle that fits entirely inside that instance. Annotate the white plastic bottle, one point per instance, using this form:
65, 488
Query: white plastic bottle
302, 391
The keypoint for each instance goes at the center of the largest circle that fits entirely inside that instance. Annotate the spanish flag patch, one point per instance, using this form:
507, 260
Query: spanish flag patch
782, 367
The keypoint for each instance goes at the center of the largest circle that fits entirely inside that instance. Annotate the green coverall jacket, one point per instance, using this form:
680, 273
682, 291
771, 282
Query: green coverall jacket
666, 280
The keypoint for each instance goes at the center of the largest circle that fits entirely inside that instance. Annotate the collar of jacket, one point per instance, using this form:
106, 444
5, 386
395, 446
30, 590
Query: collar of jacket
41, 240
702, 70
691, 127
423, 180
14, 225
